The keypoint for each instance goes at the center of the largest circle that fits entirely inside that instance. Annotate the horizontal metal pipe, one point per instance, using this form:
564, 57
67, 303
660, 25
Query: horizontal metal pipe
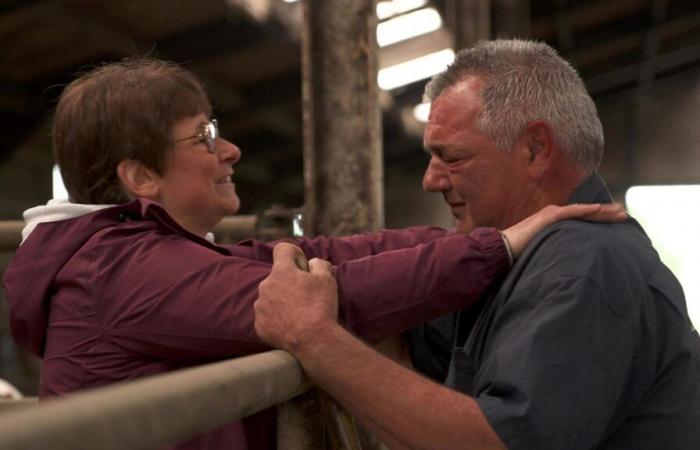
10, 234
230, 229
14, 405
157, 411
235, 228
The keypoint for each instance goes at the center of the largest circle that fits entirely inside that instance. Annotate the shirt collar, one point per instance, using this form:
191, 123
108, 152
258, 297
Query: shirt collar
592, 190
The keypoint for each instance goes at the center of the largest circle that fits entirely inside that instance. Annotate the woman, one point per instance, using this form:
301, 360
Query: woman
123, 281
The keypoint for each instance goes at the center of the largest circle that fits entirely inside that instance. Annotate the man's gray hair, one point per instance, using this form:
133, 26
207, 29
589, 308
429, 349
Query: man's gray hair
525, 81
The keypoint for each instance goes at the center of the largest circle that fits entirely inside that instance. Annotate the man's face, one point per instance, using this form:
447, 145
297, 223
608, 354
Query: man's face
483, 185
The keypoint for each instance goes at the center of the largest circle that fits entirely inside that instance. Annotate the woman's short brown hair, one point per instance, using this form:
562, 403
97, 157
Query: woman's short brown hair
118, 111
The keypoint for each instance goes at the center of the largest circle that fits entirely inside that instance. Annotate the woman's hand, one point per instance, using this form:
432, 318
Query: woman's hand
522, 232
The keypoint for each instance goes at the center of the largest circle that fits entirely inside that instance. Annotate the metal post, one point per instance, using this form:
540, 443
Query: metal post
343, 171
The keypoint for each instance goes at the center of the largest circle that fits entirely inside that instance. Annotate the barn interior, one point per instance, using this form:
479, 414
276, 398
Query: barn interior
640, 60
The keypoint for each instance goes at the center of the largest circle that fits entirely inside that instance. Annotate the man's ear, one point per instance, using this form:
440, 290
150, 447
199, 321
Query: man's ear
537, 146
138, 180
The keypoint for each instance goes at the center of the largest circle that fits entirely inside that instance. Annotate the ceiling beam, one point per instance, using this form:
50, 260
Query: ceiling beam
613, 48
625, 76
512, 18
586, 15
650, 48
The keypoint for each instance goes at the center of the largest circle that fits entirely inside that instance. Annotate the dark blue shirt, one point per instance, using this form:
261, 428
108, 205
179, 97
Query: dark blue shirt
586, 344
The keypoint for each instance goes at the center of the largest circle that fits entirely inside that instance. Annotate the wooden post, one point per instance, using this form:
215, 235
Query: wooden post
469, 21
343, 170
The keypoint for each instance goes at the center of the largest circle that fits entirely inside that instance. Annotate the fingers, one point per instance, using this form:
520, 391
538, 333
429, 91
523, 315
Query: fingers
612, 212
319, 267
574, 211
608, 212
521, 233
291, 303
286, 256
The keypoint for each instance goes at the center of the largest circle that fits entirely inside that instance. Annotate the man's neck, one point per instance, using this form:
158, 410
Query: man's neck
554, 190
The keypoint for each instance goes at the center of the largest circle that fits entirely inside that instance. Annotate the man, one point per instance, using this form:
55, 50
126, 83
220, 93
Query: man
587, 342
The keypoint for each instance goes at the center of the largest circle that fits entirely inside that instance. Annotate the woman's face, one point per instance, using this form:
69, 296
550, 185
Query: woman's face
195, 187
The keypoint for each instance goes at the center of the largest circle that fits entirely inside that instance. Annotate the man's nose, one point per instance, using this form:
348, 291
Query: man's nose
229, 152
435, 178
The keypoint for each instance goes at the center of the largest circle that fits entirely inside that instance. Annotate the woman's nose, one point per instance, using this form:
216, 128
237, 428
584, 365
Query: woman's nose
229, 152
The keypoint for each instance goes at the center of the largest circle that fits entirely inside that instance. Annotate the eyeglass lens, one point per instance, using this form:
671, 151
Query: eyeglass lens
211, 132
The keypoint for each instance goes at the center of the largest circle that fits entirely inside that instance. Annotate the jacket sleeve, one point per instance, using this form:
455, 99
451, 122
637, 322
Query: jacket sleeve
175, 299
338, 249
385, 294
171, 298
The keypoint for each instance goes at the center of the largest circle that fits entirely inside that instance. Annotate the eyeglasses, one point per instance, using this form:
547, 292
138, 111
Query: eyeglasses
209, 133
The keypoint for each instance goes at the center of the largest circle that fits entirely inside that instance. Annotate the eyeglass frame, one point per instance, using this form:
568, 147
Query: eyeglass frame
210, 132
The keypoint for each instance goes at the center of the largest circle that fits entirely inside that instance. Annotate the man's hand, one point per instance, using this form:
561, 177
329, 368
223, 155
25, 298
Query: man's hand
293, 303
522, 232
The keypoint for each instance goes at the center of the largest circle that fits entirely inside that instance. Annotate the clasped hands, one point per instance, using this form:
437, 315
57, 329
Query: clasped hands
293, 303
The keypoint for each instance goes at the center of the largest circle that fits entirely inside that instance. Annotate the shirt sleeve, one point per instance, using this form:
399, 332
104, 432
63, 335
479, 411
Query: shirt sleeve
172, 298
560, 350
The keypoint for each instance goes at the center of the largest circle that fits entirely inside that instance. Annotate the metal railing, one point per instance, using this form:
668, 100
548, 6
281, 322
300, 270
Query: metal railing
230, 229
276, 222
157, 411
170, 408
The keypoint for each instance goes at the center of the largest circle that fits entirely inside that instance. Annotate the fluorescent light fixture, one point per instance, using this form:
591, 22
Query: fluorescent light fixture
421, 112
59, 189
671, 217
290, 1
388, 9
416, 69
407, 26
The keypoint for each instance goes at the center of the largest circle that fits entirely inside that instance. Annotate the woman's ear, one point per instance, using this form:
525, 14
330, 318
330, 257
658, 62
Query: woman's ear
138, 180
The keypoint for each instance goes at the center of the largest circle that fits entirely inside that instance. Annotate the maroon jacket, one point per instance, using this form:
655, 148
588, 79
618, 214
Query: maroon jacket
126, 292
